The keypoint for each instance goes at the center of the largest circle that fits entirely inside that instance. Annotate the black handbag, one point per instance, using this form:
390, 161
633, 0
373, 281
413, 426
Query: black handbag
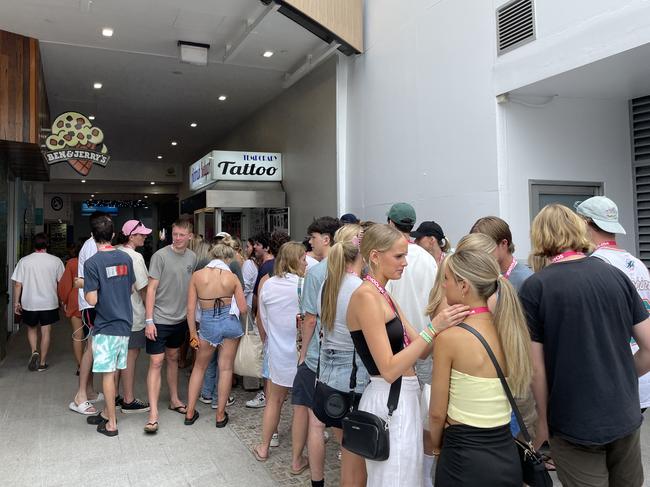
532, 464
331, 405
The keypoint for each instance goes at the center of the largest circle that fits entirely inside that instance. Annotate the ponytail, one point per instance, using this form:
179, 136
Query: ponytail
437, 294
335, 272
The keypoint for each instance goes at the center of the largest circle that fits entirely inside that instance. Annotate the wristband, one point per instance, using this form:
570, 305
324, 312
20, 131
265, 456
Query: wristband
433, 330
149, 321
426, 337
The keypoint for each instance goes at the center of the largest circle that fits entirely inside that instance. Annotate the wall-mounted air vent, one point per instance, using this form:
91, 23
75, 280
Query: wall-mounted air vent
640, 127
515, 25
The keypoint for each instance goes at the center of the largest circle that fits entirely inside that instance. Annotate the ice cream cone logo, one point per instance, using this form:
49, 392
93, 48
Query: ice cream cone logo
74, 139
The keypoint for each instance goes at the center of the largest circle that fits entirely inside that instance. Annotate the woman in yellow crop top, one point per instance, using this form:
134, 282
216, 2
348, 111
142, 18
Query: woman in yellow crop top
469, 413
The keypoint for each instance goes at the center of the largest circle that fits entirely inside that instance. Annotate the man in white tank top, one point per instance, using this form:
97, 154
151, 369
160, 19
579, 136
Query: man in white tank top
601, 214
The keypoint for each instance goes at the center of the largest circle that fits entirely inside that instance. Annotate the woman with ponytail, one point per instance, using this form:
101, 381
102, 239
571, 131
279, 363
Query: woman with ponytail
466, 393
389, 347
344, 265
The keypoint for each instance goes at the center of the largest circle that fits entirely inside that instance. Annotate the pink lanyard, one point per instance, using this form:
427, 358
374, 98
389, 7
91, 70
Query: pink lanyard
383, 292
513, 264
565, 255
610, 244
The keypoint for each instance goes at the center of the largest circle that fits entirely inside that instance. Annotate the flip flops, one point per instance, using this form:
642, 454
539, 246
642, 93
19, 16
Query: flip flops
300, 470
151, 427
83, 408
97, 419
257, 455
100, 397
182, 409
101, 428
192, 420
223, 422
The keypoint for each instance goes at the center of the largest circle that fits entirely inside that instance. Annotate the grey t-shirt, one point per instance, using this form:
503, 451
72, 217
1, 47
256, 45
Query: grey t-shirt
311, 291
339, 338
519, 275
174, 271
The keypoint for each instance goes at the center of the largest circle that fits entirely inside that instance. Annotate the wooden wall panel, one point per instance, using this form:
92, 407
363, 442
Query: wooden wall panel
344, 18
23, 100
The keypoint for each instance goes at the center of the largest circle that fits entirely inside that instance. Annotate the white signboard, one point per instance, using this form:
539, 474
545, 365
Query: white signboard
235, 166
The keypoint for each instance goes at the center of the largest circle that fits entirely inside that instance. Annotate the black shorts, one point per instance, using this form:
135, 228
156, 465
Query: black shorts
302, 392
36, 318
88, 319
168, 336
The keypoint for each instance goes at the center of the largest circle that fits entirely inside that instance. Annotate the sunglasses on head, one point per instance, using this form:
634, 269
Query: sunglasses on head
140, 224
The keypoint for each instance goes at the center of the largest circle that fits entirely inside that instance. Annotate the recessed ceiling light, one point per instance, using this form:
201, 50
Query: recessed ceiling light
145, 196
152, 182
91, 117
159, 157
222, 98
193, 124
174, 142
92, 195
97, 86
83, 180
107, 32
268, 53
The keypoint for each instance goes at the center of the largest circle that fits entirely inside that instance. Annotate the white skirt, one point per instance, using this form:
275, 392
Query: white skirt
404, 466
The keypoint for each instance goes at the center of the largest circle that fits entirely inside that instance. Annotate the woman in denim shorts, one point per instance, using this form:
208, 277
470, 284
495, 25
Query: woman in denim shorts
344, 265
220, 297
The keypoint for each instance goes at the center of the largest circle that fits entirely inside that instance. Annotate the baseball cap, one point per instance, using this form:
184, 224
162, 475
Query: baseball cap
402, 214
135, 227
602, 211
222, 235
349, 218
429, 229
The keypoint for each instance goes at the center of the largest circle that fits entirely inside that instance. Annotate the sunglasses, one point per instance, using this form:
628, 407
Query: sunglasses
140, 224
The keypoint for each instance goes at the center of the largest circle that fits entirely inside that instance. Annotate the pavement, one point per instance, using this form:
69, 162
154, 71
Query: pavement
43, 443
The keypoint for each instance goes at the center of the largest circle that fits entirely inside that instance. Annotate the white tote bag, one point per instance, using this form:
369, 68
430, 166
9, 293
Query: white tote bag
248, 361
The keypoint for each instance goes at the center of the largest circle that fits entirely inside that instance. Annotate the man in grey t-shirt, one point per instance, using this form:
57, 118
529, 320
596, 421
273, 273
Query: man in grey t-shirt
170, 271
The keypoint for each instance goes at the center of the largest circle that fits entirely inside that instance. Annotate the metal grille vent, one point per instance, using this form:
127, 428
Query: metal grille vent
640, 125
515, 25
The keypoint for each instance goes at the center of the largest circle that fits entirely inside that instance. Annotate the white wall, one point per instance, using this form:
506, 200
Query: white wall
422, 115
568, 139
133, 171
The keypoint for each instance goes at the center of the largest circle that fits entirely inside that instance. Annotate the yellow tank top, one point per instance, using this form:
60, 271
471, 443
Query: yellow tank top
477, 401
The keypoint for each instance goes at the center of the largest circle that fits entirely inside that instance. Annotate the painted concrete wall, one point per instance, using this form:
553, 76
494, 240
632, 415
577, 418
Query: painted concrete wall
301, 124
421, 123
568, 139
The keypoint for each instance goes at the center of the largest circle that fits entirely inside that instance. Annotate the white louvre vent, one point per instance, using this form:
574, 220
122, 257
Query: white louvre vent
515, 25
640, 124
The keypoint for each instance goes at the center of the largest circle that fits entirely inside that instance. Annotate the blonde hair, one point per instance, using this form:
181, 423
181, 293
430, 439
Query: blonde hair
222, 252
482, 272
234, 243
203, 252
341, 254
380, 237
473, 241
556, 229
288, 259
536, 262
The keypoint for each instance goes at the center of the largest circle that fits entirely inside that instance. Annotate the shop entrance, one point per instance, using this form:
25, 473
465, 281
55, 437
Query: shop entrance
240, 222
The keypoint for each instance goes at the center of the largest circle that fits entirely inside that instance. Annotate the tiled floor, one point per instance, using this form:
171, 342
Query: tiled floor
43, 443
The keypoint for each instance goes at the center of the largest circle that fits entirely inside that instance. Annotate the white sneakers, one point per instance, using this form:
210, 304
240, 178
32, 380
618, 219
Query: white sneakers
258, 402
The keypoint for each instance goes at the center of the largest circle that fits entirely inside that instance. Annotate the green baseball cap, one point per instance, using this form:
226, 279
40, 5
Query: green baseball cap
402, 214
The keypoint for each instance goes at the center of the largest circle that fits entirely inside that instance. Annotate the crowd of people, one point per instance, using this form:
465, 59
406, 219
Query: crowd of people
384, 318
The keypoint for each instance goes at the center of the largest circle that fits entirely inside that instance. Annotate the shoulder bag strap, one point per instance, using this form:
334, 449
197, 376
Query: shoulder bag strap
320, 334
504, 383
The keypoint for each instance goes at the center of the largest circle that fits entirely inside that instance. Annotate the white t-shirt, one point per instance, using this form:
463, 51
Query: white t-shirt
311, 262
249, 273
412, 291
339, 338
640, 277
141, 281
39, 274
87, 251
278, 300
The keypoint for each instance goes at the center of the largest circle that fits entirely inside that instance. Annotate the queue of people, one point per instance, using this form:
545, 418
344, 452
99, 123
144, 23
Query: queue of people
429, 341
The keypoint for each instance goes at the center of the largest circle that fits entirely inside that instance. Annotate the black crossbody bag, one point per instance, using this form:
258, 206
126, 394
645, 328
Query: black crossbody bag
532, 464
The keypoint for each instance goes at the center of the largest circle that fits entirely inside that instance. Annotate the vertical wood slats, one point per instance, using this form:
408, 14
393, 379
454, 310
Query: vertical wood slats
22, 90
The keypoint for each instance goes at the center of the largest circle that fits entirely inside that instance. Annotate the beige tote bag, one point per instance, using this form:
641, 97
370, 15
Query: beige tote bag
248, 361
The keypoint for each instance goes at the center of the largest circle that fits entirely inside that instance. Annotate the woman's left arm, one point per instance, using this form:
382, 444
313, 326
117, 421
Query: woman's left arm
439, 401
240, 299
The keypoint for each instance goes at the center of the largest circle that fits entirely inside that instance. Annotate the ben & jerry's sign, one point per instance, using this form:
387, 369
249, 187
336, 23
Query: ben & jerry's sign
74, 139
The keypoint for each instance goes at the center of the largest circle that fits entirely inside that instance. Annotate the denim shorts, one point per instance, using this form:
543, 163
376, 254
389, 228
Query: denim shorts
218, 325
336, 367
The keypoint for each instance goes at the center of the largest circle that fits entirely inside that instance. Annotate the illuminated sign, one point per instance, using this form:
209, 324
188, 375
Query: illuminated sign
74, 139
235, 166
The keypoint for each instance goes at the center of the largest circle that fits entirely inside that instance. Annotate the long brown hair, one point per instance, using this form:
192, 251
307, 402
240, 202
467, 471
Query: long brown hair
288, 259
341, 254
482, 272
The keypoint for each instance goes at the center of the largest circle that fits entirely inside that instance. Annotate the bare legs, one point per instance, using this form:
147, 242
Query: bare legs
128, 375
299, 428
171, 356
45, 342
77, 339
353, 467
203, 356
226, 360
271, 419
108, 384
316, 447
154, 379
32, 338
85, 375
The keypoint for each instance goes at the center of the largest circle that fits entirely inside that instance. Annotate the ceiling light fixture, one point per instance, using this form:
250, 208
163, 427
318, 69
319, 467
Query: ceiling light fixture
92, 195
193, 53
107, 32
222, 98
152, 183
193, 124
145, 196
268, 53
159, 157
97, 86
174, 143
83, 180
91, 117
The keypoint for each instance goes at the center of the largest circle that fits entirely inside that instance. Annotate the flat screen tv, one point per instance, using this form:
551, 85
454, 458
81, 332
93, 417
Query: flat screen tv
87, 210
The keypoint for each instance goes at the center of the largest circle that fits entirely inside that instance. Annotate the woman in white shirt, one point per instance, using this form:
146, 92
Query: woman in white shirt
249, 271
279, 305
